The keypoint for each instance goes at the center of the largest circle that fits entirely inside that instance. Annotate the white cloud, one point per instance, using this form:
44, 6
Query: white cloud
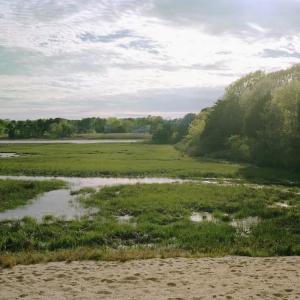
90, 53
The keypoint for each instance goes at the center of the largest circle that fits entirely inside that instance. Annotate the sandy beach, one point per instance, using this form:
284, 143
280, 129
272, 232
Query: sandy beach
175, 278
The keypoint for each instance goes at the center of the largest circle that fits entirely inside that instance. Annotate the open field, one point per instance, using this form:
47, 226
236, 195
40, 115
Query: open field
149, 220
238, 278
126, 160
16, 193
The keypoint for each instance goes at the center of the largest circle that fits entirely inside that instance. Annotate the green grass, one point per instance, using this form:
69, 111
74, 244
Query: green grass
15, 193
109, 160
161, 224
125, 161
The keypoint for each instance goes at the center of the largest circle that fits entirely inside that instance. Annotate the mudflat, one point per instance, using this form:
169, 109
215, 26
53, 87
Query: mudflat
174, 278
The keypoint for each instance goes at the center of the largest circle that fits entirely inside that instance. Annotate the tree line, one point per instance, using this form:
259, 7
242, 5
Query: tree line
257, 120
162, 131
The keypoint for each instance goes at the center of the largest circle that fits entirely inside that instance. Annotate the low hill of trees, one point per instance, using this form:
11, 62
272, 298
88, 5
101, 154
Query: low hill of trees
257, 120
63, 128
162, 131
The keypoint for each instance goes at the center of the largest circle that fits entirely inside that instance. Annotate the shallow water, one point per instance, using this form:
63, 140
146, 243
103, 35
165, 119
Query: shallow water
8, 154
61, 203
105, 141
57, 203
244, 225
124, 219
76, 183
199, 217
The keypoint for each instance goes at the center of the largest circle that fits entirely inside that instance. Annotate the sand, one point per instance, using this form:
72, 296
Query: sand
176, 278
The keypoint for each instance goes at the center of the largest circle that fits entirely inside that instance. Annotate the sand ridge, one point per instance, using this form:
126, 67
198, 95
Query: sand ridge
174, 278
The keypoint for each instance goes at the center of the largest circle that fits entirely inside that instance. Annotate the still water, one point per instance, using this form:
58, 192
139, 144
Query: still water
8, 154
60, 203
107, 141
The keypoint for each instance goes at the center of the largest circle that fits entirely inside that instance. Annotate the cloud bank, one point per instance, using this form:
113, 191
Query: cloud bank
76, 58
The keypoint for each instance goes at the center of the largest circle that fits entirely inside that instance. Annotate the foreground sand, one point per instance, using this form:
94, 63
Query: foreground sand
176, 278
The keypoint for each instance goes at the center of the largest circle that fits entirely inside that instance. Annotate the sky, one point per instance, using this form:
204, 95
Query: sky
130, 58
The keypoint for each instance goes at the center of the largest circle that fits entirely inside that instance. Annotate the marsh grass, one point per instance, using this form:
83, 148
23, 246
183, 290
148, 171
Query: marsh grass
161, 225
128, 160
114, 160
14, 193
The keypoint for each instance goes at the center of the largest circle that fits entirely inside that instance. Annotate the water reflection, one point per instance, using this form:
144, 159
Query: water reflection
62, 203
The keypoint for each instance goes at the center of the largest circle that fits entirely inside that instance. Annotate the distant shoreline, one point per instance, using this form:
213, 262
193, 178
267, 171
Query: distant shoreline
69, 141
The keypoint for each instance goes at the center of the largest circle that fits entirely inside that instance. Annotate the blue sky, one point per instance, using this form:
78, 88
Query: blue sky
74, 58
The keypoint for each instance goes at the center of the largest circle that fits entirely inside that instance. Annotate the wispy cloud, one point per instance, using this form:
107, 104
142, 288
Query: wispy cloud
100, 56
112, 37
277, 53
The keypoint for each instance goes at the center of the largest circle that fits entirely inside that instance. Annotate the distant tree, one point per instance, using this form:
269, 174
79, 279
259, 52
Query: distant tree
61, 129
162, 134
100, 125
86, 125
2, 127
11, 129
181, 127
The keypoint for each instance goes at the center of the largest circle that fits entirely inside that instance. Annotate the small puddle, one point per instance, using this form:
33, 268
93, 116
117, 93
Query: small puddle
124, 219
8, 154
280, 205
63, 202
199, 217
244, 225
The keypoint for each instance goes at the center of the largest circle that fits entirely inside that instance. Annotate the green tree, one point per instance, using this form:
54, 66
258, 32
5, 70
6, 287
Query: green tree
257, 120
61, 129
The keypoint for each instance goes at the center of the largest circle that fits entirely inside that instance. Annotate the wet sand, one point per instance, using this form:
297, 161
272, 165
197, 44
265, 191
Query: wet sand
176, 278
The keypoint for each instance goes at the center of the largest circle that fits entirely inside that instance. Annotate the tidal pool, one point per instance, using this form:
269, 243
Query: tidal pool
199, 217
61, 203
124, 219
244, 225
